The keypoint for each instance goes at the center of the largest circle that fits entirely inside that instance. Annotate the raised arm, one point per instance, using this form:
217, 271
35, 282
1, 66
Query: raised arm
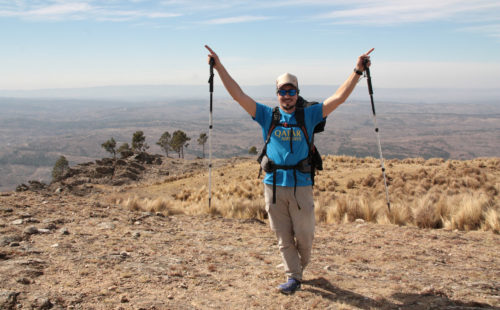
347, 87
232, 87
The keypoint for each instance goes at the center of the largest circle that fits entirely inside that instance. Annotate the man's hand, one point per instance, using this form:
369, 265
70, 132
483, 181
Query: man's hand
360, 65
232, 87
213, 56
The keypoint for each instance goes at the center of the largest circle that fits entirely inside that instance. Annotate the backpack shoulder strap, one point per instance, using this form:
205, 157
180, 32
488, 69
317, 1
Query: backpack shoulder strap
274, 122
299, 117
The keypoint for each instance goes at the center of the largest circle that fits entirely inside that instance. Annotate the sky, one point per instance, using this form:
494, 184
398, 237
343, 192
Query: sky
48, 44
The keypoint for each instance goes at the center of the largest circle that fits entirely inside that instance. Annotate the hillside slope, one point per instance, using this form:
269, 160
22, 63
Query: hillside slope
89, 249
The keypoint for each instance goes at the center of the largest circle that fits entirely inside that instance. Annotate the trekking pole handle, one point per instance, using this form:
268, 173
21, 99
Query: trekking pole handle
368, 77
211, 79
369, 82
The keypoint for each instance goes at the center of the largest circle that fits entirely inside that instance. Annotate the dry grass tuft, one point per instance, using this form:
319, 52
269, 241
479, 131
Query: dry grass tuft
492, 220
400, 214
161, 205
425, 214
469, 213
132, 203
431, 193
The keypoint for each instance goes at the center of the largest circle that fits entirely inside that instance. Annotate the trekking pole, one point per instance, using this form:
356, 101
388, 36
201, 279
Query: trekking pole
211, 82
370, 90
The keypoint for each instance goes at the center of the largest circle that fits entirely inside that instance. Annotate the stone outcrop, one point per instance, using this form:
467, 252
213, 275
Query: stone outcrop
80, 179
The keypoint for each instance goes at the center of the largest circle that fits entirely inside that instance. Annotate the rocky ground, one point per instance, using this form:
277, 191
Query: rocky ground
69, 246
61, 251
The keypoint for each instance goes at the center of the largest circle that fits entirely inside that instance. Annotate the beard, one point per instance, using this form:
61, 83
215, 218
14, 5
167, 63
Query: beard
288, 105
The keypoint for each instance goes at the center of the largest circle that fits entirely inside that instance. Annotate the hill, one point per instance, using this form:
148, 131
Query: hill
150, 242
35, 132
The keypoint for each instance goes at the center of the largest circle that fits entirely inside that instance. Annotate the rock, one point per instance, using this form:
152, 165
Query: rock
103, 171
36, 185
18, 222
25, 215
7, 240
58, 190
104, 161
64, 231
128, 175
32, 273
136, 166
51, 226
145, 158
42, 303
133, 171
24, 281
22, 188
118, 182
106, 225
32, 230
124, 299
120, 162
8, 300
33, 262
31, 220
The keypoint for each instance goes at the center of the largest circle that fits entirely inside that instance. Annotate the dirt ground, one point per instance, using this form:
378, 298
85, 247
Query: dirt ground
59, 251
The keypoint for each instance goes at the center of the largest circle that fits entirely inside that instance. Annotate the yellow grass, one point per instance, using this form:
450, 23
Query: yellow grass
429, 193
160, 205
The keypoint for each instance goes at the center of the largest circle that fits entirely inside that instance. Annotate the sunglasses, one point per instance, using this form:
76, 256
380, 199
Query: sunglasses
291, 92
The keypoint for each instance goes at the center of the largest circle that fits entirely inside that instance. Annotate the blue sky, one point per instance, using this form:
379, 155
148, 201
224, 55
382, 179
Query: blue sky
65, 44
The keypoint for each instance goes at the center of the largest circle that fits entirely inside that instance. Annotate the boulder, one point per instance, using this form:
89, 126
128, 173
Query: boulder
104, 170
8, 300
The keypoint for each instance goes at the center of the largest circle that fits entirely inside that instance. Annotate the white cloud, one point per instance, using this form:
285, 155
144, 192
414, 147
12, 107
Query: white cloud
394, 12
489, 30
70, 10
60, 9
235, 20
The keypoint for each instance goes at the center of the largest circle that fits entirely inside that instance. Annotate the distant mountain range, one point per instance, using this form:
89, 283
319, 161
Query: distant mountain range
259, 92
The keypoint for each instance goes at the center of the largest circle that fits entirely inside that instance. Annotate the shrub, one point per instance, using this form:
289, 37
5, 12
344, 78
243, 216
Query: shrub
60, 167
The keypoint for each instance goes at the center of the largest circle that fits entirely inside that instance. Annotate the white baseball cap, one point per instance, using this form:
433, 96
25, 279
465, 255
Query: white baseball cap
287, 78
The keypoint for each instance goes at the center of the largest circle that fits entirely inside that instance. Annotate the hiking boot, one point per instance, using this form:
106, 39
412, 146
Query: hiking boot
289, 287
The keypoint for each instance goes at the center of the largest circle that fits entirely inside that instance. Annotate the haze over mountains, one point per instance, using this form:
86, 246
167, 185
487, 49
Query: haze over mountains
316, 92
37, 126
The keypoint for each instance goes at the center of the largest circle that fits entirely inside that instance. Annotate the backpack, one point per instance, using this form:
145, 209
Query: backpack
309, 164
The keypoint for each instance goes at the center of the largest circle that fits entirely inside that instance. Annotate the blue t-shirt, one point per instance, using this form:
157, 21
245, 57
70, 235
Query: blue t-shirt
278, 149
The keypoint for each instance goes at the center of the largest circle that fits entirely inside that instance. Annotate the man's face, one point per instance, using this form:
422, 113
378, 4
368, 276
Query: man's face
287, 102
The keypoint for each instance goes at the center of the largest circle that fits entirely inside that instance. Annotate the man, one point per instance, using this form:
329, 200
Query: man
288, 191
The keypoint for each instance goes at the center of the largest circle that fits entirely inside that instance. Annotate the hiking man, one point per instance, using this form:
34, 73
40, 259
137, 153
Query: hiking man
287, 188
